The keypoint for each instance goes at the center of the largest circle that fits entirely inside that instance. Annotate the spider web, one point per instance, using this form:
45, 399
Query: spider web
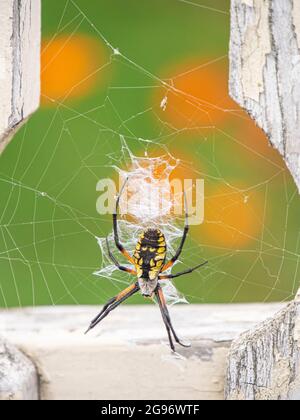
50, 230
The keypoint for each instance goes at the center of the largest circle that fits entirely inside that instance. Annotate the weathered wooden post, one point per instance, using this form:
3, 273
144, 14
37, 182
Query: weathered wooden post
20, 22
265, 70
264, 363
265, 81
20, 26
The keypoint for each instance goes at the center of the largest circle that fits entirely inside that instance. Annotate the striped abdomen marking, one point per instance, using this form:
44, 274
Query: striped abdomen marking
150, 253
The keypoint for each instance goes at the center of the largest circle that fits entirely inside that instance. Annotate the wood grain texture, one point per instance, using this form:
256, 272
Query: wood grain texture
265, 70
18, 376
20, 27
263, 364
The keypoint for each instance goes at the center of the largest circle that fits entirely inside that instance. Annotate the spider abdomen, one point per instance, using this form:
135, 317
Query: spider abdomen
150, 254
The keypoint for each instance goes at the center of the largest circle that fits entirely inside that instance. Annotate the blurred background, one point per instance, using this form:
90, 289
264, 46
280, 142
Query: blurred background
156, 74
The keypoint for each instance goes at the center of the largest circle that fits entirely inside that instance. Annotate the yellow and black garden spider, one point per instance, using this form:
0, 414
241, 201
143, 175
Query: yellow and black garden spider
149, 260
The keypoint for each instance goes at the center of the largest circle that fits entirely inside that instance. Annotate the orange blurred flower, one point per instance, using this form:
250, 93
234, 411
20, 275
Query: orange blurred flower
198, 96
70, 67
232, 217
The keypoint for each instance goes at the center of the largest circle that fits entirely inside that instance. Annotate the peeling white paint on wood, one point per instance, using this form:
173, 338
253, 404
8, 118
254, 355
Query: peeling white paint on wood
263, 364
265, 70
257, 45
296, 18
18, 376
20, 23
248, 2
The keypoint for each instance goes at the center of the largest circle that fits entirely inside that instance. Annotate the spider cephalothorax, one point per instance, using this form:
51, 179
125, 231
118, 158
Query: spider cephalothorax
149, 260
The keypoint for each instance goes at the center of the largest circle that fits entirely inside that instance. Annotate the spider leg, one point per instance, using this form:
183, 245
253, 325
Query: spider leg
182, 273
115, 261
113, 303
185, 232
115, 227
167, 319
